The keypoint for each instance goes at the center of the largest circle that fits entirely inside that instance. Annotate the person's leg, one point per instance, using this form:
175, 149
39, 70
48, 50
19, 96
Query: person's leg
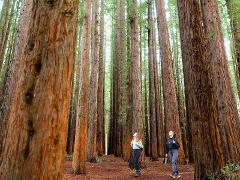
170, 155
174, 162
137, 165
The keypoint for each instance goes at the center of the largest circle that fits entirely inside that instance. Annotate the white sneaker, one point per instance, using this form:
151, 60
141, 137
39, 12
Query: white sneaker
178, 176
173, 176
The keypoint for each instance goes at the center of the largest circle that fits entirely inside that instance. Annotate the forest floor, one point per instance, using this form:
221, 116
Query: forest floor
115, 168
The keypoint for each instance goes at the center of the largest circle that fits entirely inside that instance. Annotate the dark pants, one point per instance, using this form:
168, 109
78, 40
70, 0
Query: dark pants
136, 156
173, 154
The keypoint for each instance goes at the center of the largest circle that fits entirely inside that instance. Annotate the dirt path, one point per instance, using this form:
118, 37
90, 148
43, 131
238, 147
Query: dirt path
117, 169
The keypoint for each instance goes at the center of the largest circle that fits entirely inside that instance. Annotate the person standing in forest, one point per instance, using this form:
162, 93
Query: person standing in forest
137, 147
172, 147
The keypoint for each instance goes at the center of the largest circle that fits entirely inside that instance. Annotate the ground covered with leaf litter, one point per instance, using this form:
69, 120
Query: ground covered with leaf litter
115, 168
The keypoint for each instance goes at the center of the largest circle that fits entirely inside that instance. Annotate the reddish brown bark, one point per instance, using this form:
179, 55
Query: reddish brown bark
207, 138
36, 136
119, 54
171, 113
226, 106
135, 70
152, 88
80, 146
92, 128
127, 130
74, 99
8, 89
100, 110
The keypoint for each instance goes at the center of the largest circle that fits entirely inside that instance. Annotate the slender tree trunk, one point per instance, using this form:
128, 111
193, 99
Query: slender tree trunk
36, 135
75, 96
160, 131
100, 110
152, 90
92, 151
8, 6
127, 131
135, 70
111, 123
234, 13
146, 104
169, 89
80, 146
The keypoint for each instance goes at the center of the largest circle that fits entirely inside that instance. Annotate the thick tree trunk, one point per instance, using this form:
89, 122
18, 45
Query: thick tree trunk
118, 74
135, 71
92, 151
80, 146
100, 110
8, 88
206, 126
152, 89
36, 135
229, 124
171, 113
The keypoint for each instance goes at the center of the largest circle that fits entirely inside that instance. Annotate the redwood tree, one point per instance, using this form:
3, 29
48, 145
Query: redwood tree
152, 89
100, 110
80, 146
36, 137
135, 70
228, 121
171, 113
92, 126
8, 88
209, 151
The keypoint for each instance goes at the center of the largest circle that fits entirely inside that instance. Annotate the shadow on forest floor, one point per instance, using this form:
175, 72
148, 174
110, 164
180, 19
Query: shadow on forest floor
115, 168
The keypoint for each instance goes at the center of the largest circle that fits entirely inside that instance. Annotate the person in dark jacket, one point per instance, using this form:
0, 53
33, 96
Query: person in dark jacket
172, 147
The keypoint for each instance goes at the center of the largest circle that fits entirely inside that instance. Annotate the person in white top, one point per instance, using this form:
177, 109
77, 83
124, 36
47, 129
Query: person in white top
137, 147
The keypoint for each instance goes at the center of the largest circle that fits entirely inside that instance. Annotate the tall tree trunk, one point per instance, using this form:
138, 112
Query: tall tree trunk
135, 70
159, 116
234, 13
8, 88
152, 90
75, 94
118, 74
202, 100
229, 124
36, 134
100, 110
146, 104
80, 146
127, 131
171, 113
92, 152
111, 123
7, 7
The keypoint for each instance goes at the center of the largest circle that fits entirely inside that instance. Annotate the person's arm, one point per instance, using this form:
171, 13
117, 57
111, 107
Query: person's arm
139, 144
132, 143
177, 143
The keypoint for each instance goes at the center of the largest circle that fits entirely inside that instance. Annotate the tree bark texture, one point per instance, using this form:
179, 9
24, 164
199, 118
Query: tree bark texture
36, 134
